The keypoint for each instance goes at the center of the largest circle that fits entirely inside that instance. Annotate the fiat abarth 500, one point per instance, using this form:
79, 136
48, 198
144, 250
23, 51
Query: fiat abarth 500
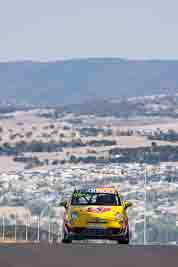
96, 213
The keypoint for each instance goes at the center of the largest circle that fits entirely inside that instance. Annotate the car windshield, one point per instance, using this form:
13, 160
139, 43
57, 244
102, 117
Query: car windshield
106, 199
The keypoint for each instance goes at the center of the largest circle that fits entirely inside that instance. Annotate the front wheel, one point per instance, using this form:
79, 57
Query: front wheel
125, 240
66, 238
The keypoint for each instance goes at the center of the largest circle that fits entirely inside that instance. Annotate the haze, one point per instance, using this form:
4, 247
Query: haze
62, 29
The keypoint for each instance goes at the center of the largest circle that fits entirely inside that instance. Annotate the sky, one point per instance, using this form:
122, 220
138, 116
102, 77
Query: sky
49, 30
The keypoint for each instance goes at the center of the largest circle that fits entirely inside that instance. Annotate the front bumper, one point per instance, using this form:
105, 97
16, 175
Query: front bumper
80, 233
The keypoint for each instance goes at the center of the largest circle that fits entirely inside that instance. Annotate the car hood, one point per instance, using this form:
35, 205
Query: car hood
97, 211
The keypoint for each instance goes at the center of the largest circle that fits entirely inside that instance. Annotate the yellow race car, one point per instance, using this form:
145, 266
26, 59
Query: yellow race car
96, 213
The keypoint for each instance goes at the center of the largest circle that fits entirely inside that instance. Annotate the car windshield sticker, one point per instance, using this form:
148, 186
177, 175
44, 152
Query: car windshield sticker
77, 194
105, 190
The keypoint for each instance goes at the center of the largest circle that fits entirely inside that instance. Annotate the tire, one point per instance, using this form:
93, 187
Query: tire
66, 238
125, 240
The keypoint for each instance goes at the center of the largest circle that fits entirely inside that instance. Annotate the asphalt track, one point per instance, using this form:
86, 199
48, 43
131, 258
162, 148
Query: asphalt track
87, 255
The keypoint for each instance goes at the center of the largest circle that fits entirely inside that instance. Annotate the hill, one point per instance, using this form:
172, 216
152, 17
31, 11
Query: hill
75, 81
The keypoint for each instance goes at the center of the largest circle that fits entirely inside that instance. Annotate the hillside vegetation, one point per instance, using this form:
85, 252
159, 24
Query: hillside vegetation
76, 81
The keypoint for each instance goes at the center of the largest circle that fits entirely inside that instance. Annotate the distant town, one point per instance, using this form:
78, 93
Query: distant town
46, 151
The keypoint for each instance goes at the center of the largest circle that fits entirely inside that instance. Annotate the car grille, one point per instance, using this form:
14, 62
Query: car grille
97, 220
97, 231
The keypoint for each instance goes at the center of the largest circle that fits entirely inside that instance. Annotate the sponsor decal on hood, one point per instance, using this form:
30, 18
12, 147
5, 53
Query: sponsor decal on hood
98, 209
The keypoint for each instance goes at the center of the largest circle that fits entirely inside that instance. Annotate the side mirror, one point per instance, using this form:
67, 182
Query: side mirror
127, 204
64, 204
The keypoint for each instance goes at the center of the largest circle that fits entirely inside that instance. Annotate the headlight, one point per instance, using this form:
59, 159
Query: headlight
118, 216
74, 215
